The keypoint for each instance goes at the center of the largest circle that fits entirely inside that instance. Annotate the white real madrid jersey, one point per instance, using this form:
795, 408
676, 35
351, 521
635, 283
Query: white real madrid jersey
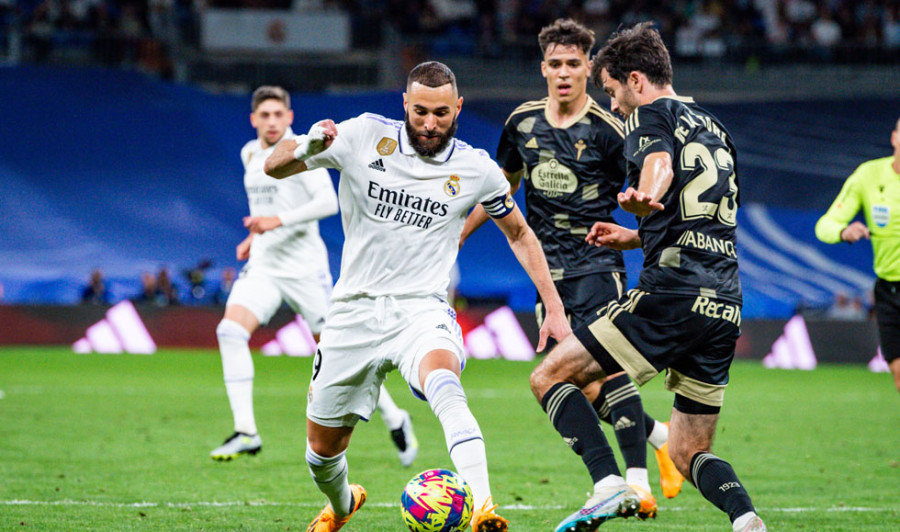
294, 250
403, 213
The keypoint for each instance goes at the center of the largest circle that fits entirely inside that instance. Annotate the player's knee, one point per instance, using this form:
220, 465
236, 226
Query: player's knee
540, 381
231, 330
326, 444
681, 455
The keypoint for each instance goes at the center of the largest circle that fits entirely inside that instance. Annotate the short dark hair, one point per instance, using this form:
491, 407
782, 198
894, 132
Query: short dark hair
566, 32
270, 92
431, 74
637, 48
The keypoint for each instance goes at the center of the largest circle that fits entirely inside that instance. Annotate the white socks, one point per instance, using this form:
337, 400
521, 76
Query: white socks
464, 440
658, 436
609, 481
237, 368
330, 475
390, 414
638, 477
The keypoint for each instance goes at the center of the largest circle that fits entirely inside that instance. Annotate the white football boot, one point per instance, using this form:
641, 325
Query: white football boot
237, 444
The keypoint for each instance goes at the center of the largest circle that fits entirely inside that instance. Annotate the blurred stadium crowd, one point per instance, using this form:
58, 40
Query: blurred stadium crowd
146, 33
779, 140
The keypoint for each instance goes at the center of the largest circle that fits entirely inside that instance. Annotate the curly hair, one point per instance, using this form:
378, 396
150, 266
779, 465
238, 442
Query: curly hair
638, 48
566, 32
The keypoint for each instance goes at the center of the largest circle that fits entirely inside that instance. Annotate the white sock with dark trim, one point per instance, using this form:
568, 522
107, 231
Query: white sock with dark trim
330, 475
463, 435
237, 368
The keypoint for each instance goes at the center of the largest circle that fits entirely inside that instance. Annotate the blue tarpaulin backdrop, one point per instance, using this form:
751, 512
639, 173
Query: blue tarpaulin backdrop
118, 171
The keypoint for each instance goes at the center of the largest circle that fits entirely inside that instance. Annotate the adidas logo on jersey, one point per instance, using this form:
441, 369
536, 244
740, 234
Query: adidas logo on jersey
377, 165
623, 423
442, 326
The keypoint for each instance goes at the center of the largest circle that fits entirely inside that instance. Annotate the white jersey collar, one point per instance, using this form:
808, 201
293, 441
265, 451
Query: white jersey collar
407, 149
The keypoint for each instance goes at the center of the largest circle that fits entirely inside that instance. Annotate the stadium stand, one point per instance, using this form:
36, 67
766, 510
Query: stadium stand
129, 174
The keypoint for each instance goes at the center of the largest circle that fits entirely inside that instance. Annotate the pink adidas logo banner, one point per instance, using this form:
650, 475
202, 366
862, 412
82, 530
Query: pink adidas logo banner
294, 339
121, 331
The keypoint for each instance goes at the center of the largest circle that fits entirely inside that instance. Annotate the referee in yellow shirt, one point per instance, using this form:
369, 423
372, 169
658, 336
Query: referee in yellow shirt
875, 188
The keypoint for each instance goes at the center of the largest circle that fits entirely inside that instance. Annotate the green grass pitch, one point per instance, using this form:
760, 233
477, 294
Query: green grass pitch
121, 442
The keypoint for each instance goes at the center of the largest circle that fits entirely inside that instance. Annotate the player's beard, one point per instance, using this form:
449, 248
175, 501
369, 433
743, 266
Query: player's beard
426, 151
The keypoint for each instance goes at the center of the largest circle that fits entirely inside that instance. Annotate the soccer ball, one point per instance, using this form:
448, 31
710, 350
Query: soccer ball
436, 500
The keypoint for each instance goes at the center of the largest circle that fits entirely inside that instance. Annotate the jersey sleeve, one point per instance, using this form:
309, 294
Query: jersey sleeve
614, 151
648, 130
508, 156
841, 212
323, 200
495, 196
245, 154
342, 147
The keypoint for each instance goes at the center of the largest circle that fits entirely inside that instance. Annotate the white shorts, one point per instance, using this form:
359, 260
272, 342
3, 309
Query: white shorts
363, 340
262, 294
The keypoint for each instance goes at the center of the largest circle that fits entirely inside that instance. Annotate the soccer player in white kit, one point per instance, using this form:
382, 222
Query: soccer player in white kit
288, 262
405, 190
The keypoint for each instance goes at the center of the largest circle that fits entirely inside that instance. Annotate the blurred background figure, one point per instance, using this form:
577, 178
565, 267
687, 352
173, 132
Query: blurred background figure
147, 296
95, 292
847, 308
157, 290
166, 293
196, 277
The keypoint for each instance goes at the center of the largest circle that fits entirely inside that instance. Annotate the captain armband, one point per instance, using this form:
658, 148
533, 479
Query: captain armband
500, 206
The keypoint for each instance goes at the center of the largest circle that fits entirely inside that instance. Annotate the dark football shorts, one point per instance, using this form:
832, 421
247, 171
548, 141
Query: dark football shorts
887, 313
691, 336
583, 296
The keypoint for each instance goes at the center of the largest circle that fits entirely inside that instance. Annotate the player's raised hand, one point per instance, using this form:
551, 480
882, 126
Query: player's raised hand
261, 224
638, 203
325, 131
613, 236
855, 232
319, 138
556, 325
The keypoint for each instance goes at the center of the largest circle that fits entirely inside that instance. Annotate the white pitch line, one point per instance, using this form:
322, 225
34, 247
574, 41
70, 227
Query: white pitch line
512, 507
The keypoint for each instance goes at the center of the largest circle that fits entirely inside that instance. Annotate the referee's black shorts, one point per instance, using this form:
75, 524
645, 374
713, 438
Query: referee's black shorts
887, 311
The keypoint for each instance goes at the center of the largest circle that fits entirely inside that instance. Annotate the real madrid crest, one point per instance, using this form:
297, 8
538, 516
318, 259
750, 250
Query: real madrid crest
386, 146
451, 187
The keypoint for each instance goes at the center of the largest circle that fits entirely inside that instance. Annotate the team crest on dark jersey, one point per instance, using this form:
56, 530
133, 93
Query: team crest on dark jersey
451, 187
580, 146
386, 146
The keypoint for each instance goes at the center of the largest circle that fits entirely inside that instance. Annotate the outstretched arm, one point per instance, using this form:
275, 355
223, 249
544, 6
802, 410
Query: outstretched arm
656, 177
478, 215
527, 249
835, 226
290, 154
613, 236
